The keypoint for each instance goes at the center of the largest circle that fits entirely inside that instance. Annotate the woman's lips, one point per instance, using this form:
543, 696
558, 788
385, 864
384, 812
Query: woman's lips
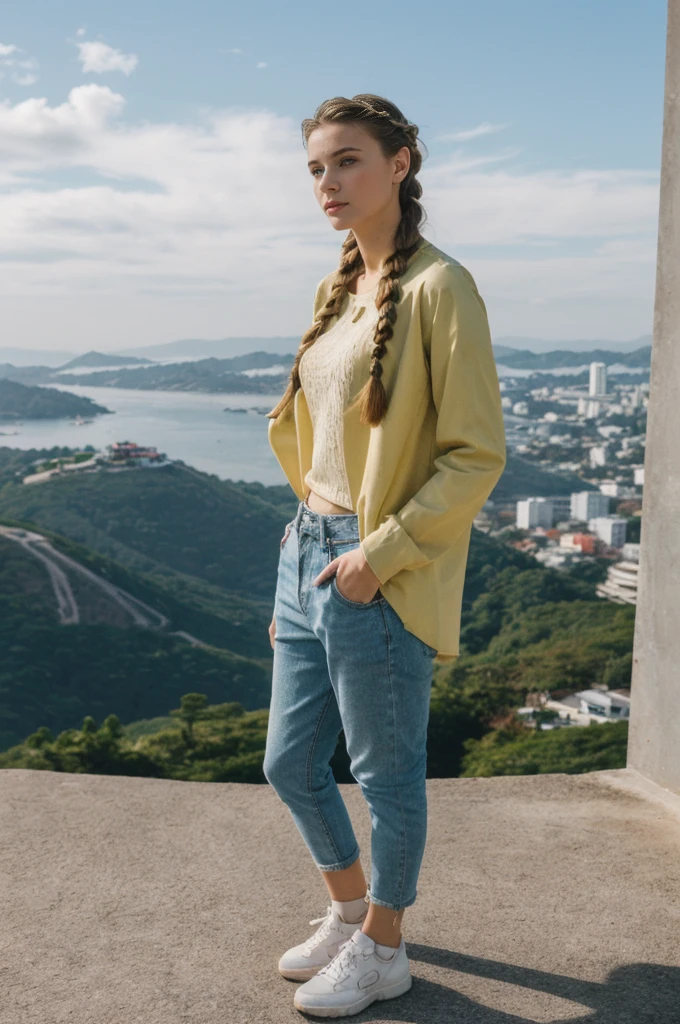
335, 206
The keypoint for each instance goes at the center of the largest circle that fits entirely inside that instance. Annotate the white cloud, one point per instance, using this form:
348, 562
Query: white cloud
261, 64
20, 70
498, 207
115, 233
100, 58
233, 49
472, 133
81, 32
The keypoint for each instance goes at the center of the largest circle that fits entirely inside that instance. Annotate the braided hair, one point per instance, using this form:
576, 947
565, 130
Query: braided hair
385, 122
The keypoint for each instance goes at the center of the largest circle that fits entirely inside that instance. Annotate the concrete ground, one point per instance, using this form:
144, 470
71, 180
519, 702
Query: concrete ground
144, 901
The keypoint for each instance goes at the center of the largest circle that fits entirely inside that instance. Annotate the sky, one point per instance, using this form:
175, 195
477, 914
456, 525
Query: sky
153, 178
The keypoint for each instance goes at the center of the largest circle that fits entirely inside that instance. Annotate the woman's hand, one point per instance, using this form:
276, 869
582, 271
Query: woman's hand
355, 580
272, 630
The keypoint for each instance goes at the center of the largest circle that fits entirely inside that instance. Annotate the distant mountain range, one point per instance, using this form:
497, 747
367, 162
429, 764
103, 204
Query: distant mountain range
263, 372
223, 348
524, 360
584, 346
222, 366
93, 358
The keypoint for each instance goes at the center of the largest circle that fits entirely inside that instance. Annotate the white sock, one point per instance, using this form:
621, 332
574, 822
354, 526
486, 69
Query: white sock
351, 911
385, 952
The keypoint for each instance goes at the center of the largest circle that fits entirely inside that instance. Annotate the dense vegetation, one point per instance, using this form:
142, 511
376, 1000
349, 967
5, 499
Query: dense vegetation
172, 518
512, 652
23, 401
192, 522
204, 552
53, 675
513, 751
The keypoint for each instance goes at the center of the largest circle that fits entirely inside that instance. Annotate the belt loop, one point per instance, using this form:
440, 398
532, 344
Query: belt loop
298, 516
322, 531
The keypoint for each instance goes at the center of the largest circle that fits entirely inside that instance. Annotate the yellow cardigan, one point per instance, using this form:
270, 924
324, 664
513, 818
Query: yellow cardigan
420, 477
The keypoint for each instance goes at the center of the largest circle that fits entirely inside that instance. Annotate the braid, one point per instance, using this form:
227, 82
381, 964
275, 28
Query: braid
373, 397
392, 131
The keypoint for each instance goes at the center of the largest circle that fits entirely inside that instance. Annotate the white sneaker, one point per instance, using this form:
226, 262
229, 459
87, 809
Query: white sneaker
303, 961
355, 977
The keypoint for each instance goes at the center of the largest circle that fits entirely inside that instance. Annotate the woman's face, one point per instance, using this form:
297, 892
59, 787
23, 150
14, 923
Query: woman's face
348, 168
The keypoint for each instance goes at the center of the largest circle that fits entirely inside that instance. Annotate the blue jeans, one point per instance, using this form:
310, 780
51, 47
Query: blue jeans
345, 665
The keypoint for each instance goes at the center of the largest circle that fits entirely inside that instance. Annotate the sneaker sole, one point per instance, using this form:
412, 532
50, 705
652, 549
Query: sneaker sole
392, 992
299, 973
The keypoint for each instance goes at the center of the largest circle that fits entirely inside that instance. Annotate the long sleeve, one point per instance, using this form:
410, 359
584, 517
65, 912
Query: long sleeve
470, 432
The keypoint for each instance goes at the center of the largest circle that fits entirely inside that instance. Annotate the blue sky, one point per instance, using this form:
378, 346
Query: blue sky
142, 146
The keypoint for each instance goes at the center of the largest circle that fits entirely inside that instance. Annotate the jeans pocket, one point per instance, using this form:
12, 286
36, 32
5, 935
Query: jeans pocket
338, 547
335, 590
285, 534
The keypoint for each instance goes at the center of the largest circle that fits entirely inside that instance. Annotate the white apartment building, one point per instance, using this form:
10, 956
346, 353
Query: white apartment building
598, 455
534, 512
598, 379
610, 529
587, 504
588, 407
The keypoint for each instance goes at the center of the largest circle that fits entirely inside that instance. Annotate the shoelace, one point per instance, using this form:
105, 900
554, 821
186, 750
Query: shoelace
344, 961
321, 932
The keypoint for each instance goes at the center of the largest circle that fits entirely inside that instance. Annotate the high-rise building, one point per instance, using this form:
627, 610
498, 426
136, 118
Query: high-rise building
586, 505
534, 512
610, 529
598, 379
561, 507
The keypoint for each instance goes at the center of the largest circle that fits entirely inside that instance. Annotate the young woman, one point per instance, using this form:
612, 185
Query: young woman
391, 435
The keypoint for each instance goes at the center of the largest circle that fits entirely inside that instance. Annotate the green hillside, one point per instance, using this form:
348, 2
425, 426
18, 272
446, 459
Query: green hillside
175, 518
570, 749
522, 479
15, 463
203, 553
568, 642
52, 674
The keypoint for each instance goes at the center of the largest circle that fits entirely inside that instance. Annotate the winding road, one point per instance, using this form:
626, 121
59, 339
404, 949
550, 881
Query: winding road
67, 606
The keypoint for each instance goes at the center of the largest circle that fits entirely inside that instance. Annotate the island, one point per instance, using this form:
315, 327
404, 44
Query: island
29, 402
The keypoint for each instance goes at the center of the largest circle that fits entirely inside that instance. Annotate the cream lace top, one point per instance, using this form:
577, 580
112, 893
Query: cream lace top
332, 372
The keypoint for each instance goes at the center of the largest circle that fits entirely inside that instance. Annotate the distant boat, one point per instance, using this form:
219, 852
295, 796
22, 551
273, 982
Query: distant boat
79, 421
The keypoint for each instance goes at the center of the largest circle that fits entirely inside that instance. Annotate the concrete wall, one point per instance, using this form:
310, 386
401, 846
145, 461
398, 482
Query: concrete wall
654, 744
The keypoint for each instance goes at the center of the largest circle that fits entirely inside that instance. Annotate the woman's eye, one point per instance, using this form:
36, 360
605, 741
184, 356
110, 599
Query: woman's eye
350, 158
